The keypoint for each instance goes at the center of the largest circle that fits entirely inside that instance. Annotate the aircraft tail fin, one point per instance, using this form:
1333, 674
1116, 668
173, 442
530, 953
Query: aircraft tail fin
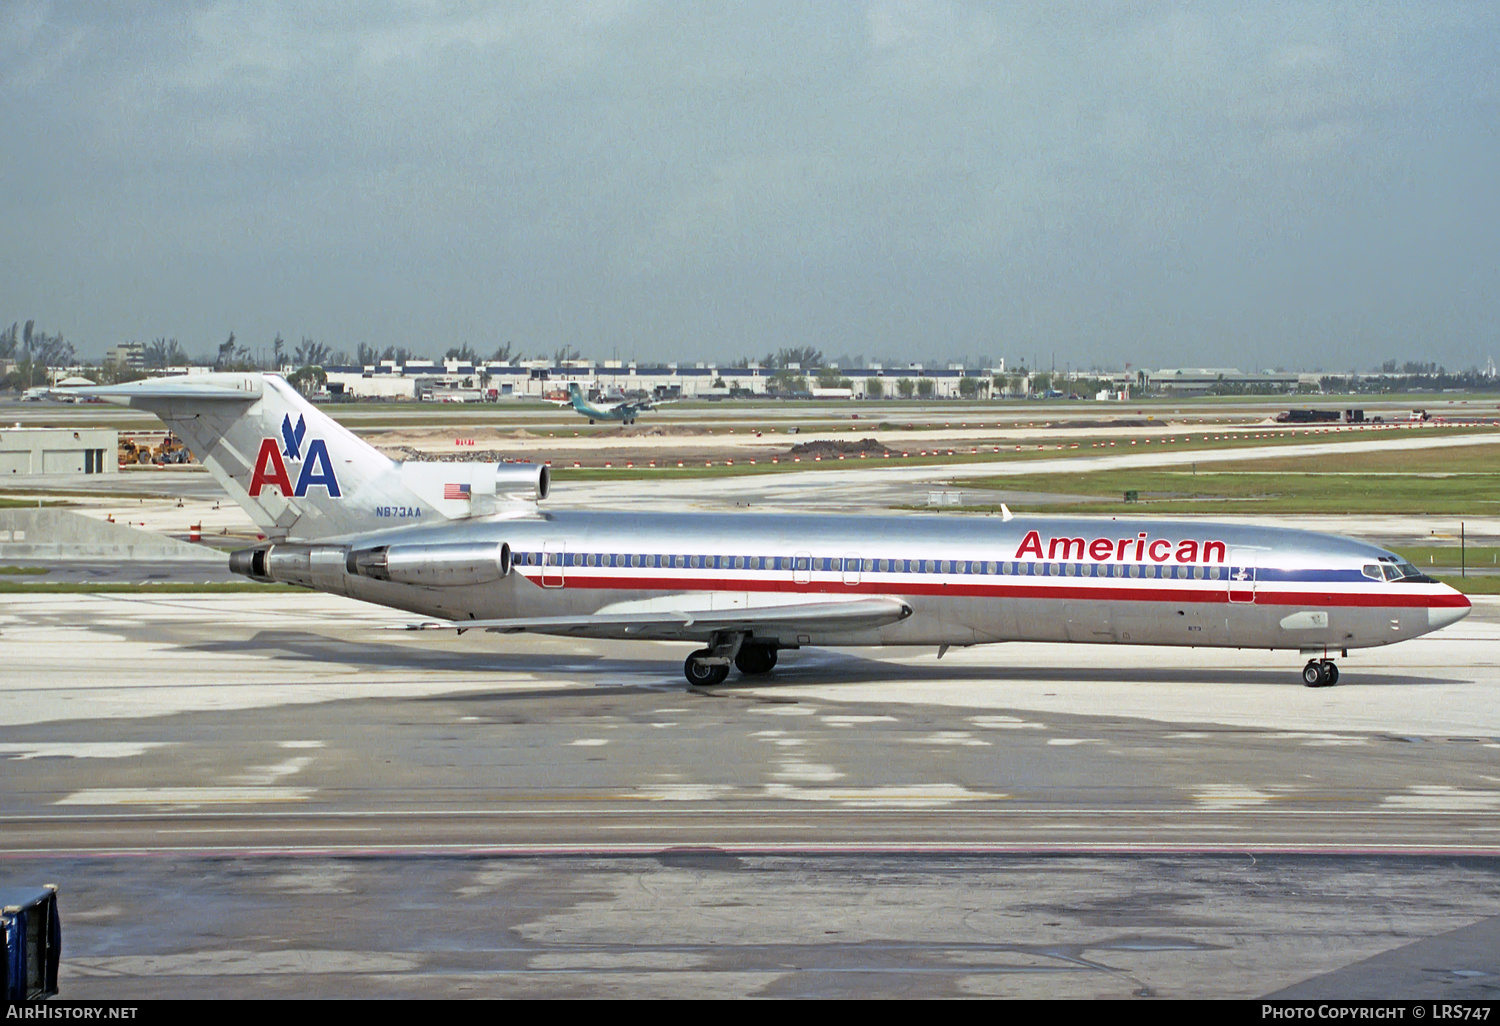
300, 474
579, 400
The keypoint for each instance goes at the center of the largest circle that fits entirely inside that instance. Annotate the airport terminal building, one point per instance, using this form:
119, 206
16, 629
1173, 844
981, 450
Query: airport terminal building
536, 379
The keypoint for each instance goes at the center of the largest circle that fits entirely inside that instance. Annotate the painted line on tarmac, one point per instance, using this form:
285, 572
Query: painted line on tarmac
733, 848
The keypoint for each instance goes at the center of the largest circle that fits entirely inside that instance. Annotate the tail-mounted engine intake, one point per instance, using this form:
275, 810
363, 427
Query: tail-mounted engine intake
463, 490
522, 482
329, 567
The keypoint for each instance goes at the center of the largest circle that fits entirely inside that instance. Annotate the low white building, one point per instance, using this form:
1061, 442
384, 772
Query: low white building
31, 451
537, 378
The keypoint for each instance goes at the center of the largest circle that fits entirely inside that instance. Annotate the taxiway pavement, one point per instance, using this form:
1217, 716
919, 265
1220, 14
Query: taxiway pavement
269, 794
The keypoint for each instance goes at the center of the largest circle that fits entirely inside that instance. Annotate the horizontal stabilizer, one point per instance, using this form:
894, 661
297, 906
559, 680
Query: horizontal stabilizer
172, 388
804, 618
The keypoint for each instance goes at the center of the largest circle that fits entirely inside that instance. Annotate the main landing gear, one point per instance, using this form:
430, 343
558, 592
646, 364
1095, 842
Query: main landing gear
754, 659
710, 666
1320, 673
701, 674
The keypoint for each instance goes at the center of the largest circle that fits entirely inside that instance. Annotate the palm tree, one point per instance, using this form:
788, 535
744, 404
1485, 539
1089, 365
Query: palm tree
310, 353
805, 357
230, 354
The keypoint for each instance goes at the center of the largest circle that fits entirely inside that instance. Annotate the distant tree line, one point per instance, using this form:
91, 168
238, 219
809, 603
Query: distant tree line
34, 353
30, 354
1437, 379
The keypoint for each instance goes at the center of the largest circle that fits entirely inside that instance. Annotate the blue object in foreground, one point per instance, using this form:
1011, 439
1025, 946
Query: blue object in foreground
32, 934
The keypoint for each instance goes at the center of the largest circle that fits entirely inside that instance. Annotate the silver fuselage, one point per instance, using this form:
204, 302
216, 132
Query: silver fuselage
968, 580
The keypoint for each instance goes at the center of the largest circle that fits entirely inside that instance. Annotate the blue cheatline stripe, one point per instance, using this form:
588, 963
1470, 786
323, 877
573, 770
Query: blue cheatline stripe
1099, 590
951, 567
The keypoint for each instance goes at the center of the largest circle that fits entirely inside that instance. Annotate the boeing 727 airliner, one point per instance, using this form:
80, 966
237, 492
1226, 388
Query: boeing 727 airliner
467, 546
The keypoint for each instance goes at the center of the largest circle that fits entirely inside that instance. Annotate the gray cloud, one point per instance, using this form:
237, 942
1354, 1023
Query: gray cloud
1303, 185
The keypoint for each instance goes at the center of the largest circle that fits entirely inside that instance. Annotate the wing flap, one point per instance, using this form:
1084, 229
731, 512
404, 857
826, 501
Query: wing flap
805, 618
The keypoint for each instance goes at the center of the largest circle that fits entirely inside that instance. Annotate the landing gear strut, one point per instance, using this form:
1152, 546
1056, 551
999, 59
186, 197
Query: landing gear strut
1320, 673
709, 666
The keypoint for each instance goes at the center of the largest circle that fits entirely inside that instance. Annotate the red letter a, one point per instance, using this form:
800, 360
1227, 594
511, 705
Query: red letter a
269, 470
1032, 543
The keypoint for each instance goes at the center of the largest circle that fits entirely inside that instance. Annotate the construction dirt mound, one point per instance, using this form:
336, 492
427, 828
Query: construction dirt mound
1116, 422
830, 447
657, 431
409, 454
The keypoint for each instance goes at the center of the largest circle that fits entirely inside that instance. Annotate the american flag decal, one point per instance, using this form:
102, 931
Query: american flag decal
455, 491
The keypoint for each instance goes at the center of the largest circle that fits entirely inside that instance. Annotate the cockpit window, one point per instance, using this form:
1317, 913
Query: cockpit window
1371, 570
1396, 569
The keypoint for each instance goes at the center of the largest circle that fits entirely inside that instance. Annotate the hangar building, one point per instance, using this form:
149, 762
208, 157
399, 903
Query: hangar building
30, 451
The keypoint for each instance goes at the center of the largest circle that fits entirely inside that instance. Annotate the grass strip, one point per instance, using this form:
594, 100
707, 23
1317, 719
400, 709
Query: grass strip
1485, 584
1454, 483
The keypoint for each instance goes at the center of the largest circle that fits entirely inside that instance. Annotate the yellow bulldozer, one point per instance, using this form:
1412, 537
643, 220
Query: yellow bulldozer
167, 451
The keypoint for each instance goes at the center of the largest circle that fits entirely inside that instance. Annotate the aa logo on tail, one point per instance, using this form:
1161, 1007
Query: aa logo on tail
292, 436
271, 463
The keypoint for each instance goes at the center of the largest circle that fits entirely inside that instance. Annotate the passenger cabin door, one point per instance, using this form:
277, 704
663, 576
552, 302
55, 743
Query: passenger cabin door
802, 568
852, 567
554, 556
1242, 565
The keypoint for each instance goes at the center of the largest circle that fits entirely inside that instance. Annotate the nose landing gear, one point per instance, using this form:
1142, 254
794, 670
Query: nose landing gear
1320, 673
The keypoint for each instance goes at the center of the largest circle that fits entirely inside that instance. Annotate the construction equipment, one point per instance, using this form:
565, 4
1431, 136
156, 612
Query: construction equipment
167, 449
171, 451
131, 453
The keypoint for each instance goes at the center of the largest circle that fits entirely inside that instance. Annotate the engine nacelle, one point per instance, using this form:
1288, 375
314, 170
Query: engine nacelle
453, 565
463, 490
522, 482
329, 567
311, 566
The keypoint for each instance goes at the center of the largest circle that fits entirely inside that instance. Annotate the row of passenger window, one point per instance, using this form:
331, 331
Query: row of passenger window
853, 565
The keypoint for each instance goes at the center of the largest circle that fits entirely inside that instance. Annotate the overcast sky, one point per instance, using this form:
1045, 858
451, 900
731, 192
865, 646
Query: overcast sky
1302, 184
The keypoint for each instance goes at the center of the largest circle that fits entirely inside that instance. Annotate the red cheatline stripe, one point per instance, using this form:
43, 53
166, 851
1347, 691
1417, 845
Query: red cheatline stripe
1196, 593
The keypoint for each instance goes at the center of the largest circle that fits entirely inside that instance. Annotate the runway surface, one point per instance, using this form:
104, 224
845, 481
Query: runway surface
269, 794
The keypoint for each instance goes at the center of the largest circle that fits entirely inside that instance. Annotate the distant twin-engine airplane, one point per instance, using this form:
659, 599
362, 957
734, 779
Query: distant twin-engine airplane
625, 410
466, 545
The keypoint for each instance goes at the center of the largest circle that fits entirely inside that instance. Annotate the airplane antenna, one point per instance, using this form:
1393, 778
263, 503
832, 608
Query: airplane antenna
1005, 513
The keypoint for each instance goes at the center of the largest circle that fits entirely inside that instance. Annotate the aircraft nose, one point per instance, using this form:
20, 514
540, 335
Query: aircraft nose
1455, 606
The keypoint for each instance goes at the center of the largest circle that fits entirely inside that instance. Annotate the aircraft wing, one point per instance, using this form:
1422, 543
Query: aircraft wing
790, 618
